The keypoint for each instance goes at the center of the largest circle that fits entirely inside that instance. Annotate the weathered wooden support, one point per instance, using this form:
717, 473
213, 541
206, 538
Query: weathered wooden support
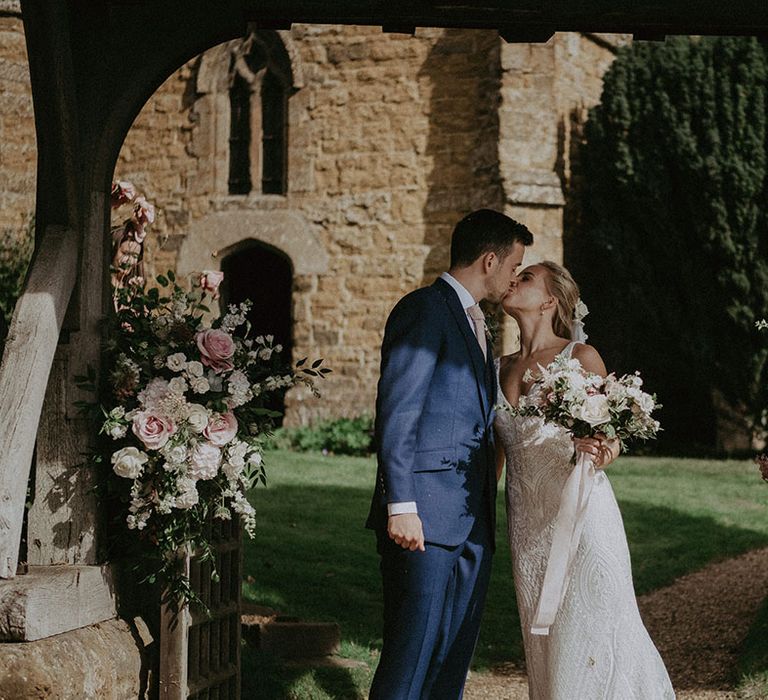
27, 360
52, 600
62, 518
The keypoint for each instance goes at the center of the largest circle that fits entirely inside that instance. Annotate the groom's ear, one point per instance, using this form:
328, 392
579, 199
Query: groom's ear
488, 260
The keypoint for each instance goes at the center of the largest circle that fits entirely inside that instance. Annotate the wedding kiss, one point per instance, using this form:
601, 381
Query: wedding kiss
442, 446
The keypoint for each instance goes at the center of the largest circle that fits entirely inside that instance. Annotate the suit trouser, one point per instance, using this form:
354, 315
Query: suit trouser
433, 603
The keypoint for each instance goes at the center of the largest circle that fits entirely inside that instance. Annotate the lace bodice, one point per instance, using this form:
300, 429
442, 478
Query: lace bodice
598, 646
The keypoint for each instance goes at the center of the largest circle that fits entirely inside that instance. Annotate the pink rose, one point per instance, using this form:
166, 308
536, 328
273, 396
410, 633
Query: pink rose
153, 430
204, 461
221, 428
216, 349
122, 192
143, 212
210, 281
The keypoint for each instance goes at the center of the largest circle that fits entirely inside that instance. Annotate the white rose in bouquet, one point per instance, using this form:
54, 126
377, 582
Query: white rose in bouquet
129, 462
195, 368
176, 362
197, 417
593, 410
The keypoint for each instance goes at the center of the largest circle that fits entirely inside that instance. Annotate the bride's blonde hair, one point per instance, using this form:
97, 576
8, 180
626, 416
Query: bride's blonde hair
563, 287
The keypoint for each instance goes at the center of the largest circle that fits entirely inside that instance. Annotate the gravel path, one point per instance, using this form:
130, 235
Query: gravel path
697, 624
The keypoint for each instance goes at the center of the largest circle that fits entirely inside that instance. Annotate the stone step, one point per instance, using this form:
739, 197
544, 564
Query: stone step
289, 637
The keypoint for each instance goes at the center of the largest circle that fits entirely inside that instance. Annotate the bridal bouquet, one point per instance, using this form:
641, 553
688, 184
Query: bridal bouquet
186, 415
586, 404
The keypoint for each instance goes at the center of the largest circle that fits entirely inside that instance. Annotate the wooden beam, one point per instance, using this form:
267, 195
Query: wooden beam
55, 599
51, 600
26, 365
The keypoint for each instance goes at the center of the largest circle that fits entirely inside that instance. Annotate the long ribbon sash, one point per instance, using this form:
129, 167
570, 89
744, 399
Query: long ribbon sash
565, 542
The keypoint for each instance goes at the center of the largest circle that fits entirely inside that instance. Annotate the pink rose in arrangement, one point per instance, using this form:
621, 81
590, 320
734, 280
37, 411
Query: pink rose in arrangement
216, 349
122, 192
210, 281
143, 212
153, 430
221, 428
204, 461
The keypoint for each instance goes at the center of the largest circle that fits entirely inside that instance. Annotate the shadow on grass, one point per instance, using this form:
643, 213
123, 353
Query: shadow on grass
313, 558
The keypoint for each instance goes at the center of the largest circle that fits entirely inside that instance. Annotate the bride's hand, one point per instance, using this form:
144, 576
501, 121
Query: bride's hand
602, 450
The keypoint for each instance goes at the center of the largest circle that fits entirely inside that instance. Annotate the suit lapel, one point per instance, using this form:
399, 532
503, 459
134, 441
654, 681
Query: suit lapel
476, 354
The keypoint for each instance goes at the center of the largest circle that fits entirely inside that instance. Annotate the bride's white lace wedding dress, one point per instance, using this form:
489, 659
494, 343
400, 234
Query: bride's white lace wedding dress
598, 646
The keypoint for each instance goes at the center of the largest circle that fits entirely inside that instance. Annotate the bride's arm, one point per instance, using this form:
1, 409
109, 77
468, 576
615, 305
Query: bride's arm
500, 458
603, 450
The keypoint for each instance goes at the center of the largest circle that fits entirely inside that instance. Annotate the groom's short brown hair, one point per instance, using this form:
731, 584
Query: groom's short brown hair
485, 231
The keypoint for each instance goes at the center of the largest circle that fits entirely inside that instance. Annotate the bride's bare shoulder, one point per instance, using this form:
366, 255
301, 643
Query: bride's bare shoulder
589, 358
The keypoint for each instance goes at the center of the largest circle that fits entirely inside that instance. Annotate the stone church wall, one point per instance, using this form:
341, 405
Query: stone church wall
392, 138
18, 152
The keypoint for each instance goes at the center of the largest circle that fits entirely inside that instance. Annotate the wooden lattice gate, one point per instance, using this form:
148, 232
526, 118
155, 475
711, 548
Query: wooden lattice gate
199, 652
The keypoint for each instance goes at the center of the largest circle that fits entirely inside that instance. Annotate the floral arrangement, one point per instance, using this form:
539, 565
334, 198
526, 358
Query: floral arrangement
186, 414
586, 404
184, 408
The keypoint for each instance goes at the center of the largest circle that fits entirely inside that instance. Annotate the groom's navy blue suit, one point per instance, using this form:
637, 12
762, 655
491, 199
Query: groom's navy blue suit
435, 448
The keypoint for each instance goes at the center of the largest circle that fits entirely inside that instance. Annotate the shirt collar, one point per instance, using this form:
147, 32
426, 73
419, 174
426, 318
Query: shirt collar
465, 297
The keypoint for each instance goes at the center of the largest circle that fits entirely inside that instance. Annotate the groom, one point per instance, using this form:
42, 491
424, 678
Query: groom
433, 507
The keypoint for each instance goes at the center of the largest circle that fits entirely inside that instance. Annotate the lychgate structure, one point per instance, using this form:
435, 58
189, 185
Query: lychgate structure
93, 65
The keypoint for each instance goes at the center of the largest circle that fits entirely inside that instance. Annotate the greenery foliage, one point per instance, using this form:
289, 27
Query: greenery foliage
670, 239
15, 253
343, 436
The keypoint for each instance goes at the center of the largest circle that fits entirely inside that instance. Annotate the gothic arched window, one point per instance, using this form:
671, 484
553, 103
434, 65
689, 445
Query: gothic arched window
260, 84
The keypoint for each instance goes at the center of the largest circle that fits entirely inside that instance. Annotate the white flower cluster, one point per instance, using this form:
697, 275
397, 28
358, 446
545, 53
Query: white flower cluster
235, 317
564, 394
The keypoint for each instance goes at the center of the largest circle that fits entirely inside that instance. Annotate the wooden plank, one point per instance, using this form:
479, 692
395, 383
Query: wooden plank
51, 600
26, 364
61, 523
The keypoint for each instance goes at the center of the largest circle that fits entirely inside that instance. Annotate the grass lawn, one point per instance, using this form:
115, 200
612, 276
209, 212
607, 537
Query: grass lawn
313, 558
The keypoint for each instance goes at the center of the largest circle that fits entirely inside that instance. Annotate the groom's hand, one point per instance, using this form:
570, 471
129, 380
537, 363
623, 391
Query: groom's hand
405, 529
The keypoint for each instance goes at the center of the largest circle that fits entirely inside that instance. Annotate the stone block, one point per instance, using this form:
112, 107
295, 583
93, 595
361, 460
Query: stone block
99, 662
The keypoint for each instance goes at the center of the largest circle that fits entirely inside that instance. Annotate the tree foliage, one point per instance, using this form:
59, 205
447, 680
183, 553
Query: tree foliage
671, 242
15, 253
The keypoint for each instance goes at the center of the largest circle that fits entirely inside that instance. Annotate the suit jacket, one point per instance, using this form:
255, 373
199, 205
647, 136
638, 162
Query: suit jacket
434, 416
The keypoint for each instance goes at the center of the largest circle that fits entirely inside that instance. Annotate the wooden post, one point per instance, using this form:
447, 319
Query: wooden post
174, 645
26, 365
63, 523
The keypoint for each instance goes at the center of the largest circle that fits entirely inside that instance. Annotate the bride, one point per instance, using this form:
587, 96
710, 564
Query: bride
597, 646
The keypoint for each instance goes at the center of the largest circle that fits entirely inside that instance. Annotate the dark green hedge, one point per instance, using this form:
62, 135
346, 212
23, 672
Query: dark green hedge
668, 236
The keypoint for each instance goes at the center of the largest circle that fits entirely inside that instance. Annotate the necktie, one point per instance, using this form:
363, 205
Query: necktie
478, 321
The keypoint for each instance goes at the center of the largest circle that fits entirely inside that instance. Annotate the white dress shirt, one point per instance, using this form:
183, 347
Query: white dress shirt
466, 300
